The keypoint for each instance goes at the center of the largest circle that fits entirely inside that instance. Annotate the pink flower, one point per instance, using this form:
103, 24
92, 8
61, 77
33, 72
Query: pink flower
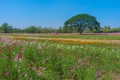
72, 68
9, 48
80, 61
6, 74
18, 57
22, 50
16, 44
98, 74
15, 59
119, 77
3, 39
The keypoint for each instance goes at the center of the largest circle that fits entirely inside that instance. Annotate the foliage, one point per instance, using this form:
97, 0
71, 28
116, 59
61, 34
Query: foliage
33, 29
106, 29
115, 29
68, 29
82, 22
47, 30
60, 30
5, 28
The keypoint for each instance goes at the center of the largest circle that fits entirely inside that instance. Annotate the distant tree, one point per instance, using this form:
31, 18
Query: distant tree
68, 29
50, 29
5, 28
106, 29
17, 30
115, 29
39, 29
82, 22
47, 30
60, 30
32, 29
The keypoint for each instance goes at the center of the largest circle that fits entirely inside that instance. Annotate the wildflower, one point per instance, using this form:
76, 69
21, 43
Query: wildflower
9, 48
6, 74
39, 47
34, 68
119, 77
26, 75
98, 74
31, 78
18, 57
16, 44
72, 68
42, 68
80, 61
18, 70
32, 63
22, 50
15, 59
39, 73
8, 40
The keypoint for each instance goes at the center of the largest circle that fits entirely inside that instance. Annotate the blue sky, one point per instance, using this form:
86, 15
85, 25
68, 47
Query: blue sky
53, 13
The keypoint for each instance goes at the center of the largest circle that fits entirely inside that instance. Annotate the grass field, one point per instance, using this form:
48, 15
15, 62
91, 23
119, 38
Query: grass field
59, 57
95, 36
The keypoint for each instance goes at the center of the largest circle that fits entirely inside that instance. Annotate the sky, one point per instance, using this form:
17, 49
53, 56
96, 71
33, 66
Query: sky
53, 13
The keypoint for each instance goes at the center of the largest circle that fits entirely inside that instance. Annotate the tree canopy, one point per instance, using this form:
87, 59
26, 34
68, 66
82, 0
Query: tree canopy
32, 29
5, 28
82, 22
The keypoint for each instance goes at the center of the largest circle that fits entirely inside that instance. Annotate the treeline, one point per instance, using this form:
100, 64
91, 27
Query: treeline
108, 29
6, 28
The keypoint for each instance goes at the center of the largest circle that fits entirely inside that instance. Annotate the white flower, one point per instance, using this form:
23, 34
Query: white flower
39, 73
43, 68
26, 75
34, 68
18, 70
30, 78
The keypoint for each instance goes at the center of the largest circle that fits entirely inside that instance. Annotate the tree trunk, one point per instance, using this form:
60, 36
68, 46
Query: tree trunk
81, 29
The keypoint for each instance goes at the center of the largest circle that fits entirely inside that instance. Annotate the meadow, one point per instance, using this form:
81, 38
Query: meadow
59, 57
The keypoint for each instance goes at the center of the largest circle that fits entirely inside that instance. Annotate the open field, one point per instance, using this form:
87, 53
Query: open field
93, 36
59, 57
72, 38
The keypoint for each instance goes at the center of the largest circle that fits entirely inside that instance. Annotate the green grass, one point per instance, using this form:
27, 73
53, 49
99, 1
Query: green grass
95, 37
53, 61
70, 35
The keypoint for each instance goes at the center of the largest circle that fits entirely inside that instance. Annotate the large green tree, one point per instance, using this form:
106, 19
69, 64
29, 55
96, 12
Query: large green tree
5, 28
82, 22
